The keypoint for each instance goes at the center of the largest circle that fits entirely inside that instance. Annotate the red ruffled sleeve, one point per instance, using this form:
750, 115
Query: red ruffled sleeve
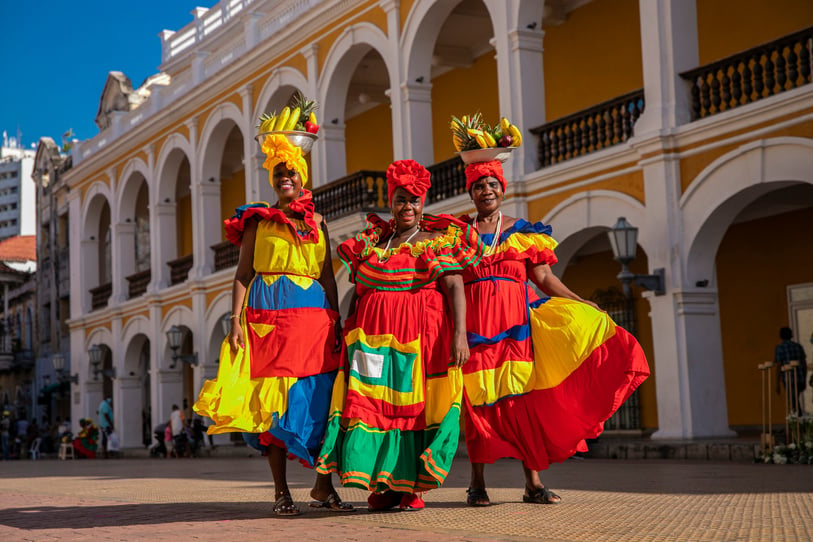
261, 210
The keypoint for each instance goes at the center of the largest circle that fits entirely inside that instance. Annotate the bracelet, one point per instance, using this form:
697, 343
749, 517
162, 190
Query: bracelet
234, 316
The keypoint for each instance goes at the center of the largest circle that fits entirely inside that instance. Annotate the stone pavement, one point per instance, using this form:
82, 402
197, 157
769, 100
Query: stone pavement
229, 498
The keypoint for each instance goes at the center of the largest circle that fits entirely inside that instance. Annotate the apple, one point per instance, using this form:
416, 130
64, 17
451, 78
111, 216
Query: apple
506, 141
311, 127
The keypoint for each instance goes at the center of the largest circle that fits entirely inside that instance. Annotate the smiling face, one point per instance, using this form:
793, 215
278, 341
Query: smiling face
406, 209
286, 182
487, 195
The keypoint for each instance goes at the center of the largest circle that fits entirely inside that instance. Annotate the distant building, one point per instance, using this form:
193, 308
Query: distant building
17, 334
17, 199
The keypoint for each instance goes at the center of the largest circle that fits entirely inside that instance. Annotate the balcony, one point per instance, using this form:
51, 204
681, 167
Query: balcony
448, 180
100, 295
226, 255
358, 192
599, 127
179, 269
751, 75
137, 283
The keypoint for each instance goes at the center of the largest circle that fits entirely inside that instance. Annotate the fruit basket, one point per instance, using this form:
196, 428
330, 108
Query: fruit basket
486, 155
303, 140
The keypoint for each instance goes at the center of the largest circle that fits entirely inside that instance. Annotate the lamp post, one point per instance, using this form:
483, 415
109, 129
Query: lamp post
174, 337
59, 366
624, 240
96, 355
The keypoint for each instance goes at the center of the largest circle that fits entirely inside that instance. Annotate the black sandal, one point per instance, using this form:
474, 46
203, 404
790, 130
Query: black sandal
475, 496
285, 506
541, 495
333, 504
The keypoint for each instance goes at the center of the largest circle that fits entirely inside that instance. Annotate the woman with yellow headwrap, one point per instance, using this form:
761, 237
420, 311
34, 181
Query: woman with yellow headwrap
278, 364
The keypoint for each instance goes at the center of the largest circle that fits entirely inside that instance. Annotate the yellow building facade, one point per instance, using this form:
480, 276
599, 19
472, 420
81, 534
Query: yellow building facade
692, 119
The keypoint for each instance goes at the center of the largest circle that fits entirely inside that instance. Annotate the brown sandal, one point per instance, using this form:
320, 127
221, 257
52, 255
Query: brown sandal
285, 506
333, 504
541, 495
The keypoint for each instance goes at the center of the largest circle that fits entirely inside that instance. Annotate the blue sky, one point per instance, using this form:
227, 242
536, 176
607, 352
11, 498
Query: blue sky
56, 56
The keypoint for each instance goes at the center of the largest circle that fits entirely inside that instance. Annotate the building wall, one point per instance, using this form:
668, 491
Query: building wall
369, 137
753, 272
599, 41
725, 27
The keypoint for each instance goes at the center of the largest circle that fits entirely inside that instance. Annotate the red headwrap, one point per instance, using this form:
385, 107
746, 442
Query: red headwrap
478, 170
409, 175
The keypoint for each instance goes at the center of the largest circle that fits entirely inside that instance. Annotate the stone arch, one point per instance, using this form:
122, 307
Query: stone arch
219, 306
128, 187
579, 218
213, 137
284, 77
96, 204
420, 33
729, 184
174, 149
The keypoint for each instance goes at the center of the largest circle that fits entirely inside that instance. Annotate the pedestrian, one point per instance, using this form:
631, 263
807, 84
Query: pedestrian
794, 382
544, 373
177, 423
5, 432
105, 422
397, 431
278, 364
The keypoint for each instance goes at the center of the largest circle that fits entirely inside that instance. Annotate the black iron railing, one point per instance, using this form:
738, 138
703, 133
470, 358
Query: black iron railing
226, 255
751, 75
138, 282
448, 180
179, 269
598, 127
99, 296
360, 191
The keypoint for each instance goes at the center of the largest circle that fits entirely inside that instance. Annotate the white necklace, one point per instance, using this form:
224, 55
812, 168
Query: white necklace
496, 241
389, 240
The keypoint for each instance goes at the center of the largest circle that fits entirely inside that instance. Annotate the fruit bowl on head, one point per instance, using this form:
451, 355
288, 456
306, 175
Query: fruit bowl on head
486, 155
303, 140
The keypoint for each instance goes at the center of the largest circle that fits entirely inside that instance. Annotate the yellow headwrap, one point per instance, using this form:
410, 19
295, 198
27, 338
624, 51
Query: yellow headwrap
277, 150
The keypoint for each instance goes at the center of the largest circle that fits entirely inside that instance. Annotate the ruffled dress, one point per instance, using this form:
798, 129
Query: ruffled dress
395, 413
544, 373
277, 390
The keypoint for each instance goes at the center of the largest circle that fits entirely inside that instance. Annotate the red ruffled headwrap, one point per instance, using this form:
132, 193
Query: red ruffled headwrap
478, 170
409, 175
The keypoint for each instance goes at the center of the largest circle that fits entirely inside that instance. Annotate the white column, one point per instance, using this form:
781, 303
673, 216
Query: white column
163, 241
334, 165
205, 198
669, 47
249, 143
127, 416
521, 81
319, 152
416, 119
394, 61
123, 259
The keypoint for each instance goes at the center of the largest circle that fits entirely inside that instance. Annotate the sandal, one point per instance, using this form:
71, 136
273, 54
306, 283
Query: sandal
477, 496
333, 504
379, 502
285, 506
541, 495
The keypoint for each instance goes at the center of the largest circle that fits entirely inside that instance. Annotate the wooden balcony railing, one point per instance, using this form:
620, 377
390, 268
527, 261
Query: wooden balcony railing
751, 75
360, 191
448, 180
601, 126
99, 296
226, 255
138, 283
179, 269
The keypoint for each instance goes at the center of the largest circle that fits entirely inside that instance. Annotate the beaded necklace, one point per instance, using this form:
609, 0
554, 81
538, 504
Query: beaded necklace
496, 241
389, 240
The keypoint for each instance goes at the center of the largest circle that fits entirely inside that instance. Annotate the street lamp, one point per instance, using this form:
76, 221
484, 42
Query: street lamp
624, 240
174, 337
59, 366
96, 354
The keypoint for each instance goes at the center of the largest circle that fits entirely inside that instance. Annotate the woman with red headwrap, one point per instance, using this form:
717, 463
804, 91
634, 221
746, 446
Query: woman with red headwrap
394, 422
544, 373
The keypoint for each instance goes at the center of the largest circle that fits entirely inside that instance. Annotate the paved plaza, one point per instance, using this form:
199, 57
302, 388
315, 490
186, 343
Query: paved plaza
229, 498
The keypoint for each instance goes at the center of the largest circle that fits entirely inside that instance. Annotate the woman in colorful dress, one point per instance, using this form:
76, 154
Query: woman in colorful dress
86, 442
280, 359
544, 374
394, 423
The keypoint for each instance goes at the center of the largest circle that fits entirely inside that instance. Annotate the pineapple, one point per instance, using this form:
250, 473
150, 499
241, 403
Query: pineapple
463, 140
306, 107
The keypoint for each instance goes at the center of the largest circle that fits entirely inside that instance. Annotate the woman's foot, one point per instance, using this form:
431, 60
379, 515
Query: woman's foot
285, 506
411, 502
378, 502
540, 495
477, 496
333, 503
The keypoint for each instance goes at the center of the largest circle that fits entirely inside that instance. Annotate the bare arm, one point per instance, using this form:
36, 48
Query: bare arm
242, 278
543, 277
454, 291
328, 281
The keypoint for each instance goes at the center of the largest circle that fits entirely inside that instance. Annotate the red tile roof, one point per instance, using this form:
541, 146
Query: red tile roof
20, 248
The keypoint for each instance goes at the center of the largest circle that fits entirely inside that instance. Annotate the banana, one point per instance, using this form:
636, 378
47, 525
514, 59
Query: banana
268, 125
504, 124
312, 118
293, 119
516, 134
481, 141
489, 139
474, 132
465, 120
282, 120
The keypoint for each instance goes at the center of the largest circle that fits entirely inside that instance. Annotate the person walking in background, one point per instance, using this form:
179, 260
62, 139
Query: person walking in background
785, 352
177, 423
105, 422
5, 432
